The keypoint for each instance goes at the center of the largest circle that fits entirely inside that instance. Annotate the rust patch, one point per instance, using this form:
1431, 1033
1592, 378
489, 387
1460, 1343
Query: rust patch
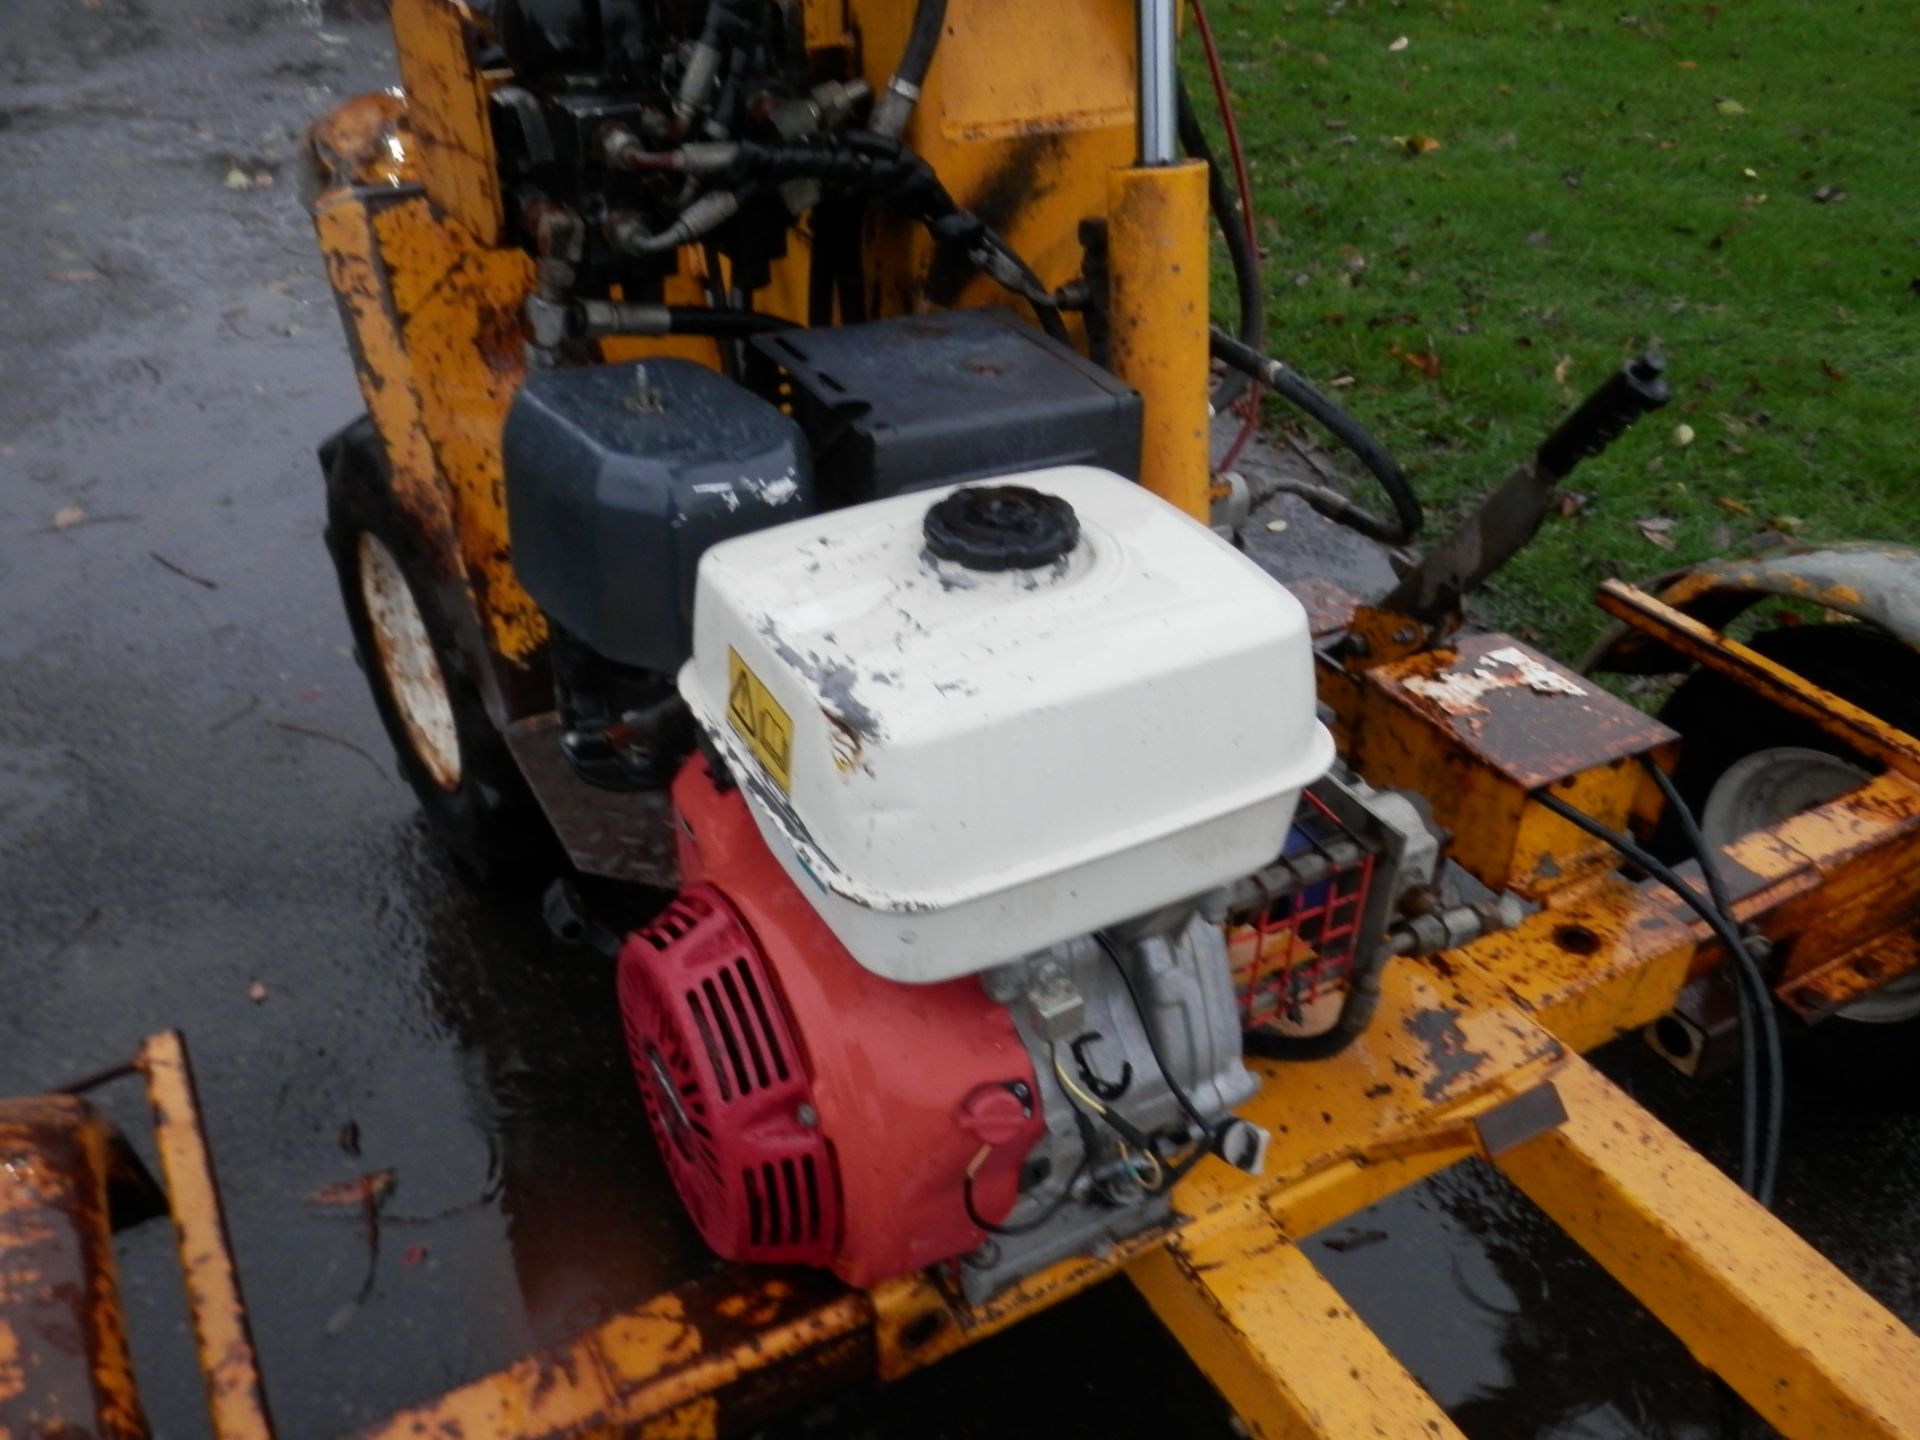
1448, 1053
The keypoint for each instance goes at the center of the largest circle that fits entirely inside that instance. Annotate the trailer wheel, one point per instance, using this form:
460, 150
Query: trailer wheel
474, 797
1744, 767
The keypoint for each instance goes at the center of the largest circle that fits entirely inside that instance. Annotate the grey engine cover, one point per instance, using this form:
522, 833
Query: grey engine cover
1177, 962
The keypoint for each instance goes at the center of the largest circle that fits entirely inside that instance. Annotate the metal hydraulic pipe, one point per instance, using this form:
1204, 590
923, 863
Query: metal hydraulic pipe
1159, 84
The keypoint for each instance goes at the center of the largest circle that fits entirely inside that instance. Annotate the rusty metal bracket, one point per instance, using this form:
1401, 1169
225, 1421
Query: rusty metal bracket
1843, 720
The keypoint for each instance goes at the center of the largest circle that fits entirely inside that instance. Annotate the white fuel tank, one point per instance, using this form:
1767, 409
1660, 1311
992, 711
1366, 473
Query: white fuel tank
959, 766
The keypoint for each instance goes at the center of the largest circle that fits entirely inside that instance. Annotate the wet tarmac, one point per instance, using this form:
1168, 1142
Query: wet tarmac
200, 827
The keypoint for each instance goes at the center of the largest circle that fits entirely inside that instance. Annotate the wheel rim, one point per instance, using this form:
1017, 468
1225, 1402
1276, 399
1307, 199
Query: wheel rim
409, 669
1769, 786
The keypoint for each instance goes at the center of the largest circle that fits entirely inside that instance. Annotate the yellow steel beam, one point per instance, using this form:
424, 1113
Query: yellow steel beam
1157, 326
1755, 1303
1840, 718
1279, 1342
720, 1357
234, 1395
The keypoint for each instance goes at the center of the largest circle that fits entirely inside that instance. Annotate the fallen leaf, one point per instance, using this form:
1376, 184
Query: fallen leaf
1683, 435
1276, 526
1341, 382
1654, 531
1570, 504
1748, 172
1788, 617
1730, 107
1398, 45
362, 1190
1561, 370
1425, 361
1832, 371
350, 1137
238, 179
257, 992
68, 516
415, 1254
1417, 145
1686, 64
1727, 502
262, 179
1787, 524
1829, 195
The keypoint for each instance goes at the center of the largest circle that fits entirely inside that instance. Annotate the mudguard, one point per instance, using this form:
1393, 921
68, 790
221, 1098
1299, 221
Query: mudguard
1875, 582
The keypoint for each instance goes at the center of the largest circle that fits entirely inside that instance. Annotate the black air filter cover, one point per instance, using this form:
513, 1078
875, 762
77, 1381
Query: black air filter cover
620, 476
923, 400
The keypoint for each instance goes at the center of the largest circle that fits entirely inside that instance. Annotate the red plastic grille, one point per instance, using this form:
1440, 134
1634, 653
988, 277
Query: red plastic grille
721, 1079
1291, 963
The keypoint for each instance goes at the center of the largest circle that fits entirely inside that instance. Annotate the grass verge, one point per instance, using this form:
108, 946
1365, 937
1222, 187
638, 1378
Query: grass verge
1472, 212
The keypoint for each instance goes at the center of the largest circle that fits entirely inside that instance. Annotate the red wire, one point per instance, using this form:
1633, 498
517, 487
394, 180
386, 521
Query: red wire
1245, 188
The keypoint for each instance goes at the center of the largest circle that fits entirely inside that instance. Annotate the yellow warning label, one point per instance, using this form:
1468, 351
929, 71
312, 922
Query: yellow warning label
758, 719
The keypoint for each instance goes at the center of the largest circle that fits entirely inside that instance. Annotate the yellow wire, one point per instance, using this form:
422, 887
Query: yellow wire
1074, 1090
1097, 1108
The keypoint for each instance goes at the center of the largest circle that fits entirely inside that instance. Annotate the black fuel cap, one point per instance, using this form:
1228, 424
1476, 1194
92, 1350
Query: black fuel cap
1001, 527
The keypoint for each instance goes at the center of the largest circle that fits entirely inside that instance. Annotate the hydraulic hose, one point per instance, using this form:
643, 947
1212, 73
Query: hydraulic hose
895, 106
595, 318
1293, 387
1233, 229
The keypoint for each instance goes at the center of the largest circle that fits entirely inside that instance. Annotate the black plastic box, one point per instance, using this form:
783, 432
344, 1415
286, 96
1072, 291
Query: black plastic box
923, 400
620, 476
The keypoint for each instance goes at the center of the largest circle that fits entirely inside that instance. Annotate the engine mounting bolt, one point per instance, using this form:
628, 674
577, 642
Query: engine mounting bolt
807, 1116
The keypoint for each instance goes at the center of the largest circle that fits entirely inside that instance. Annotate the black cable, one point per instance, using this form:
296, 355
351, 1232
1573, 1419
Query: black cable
1293, 387
1746, 969
1180, 1096
1233, 230
1769, 1021
1032, 1223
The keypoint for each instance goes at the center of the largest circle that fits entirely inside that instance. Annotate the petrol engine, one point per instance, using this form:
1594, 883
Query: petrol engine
992, 848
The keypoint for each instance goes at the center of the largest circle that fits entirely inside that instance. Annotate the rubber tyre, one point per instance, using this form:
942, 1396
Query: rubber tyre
1721, 724
487, 819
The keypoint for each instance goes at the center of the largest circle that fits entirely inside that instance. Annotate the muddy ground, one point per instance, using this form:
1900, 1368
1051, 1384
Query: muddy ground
200, 827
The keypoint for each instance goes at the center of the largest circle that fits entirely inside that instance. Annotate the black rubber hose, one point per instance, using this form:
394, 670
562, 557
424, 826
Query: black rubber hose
1233, 230
1746, 969
929, 18
903, 90
1293, 387
728, 324
1769, 1026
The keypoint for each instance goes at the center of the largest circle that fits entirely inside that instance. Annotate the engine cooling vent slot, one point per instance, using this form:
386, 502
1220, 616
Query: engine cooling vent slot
719, 1074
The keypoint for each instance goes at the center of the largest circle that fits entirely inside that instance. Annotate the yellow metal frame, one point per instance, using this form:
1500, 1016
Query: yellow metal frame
1471, 1055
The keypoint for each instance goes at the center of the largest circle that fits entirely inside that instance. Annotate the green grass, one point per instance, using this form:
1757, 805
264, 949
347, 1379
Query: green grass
1608, 178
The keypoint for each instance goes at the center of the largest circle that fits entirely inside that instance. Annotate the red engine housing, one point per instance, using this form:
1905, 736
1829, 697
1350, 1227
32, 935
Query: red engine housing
810, 1111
